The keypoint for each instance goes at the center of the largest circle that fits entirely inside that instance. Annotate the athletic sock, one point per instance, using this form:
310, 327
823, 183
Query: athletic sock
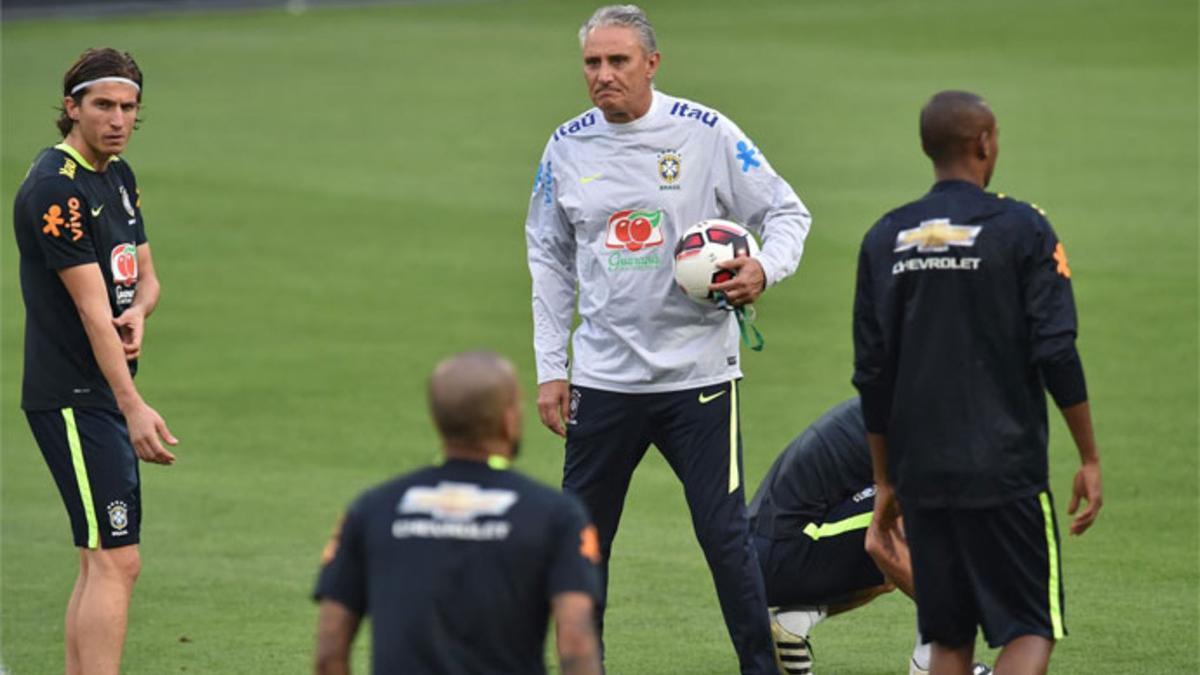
920, 655
800, 620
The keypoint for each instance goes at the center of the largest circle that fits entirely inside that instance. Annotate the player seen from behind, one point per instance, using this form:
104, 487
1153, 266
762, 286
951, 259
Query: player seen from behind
461, 565
963, 317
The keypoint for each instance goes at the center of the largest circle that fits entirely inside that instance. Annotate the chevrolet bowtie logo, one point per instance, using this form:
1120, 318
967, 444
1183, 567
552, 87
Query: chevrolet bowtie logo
937, 235
456, 501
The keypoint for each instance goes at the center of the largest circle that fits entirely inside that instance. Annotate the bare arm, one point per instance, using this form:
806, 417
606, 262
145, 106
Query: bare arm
132, 322
86, 286
1087, 484
884, 535
578, 646
878, 445
148, 288
336, 628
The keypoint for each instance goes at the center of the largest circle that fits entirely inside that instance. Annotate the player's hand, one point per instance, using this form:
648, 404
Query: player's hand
131, 326
884, 531
748, 283
148, 432
554, 406
1087, 488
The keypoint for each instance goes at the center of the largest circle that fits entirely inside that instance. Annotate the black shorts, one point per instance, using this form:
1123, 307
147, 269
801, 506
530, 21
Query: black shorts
993, 567
824, 563
94, 465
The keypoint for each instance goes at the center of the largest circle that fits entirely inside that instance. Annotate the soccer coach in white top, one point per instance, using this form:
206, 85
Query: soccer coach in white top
615, 188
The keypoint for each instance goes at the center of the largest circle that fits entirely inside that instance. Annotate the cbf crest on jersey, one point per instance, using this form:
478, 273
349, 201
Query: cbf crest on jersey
936, 236
127, 204
670, 167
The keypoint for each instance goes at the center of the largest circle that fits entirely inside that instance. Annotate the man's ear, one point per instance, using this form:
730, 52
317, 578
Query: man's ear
983, 149
71, 107
512, 423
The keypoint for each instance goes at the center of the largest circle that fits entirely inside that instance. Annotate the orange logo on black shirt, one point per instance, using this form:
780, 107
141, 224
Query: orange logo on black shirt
331, 547
1060, 256
76, 222
54, 220
589, 544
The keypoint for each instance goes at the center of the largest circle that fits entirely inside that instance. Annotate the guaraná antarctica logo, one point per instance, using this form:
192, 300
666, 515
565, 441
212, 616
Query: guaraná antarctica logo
124, 264
633, 231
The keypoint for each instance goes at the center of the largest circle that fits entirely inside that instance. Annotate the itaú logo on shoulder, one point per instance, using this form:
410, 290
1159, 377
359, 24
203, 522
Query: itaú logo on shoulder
936, 236
456, 501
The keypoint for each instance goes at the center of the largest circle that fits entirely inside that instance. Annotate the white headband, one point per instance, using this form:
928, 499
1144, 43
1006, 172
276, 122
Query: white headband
98, 80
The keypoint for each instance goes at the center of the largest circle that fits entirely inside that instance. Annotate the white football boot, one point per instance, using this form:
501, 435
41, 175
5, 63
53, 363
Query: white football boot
793, 653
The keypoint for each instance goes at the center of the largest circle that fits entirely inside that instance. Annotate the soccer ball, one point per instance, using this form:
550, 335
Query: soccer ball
701, 247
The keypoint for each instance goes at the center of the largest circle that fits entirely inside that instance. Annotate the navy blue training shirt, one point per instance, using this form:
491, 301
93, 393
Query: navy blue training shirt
457, 566
66, 214
963, 314
828, 463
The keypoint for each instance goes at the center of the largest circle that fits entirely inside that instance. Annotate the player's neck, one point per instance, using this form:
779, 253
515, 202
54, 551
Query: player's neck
963, 172
480, 452
98, 161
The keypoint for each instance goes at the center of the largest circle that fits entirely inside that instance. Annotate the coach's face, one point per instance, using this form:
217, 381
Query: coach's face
619, 72
105, 117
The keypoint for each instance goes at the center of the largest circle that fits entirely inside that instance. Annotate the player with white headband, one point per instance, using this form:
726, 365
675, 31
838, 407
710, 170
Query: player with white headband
123, 80
88, 283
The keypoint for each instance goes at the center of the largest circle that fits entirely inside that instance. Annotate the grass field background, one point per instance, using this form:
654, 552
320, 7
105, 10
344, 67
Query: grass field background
335, 201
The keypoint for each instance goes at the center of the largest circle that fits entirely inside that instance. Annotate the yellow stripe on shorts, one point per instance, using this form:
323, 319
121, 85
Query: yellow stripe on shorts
858, 522
734, 479
1052, 547
81, 478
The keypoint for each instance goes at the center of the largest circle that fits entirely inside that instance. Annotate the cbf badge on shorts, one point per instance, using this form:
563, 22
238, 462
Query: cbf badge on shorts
573, 414
118, 517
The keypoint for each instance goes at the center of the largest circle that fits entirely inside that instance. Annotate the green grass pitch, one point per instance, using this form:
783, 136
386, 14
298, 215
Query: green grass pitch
336, 199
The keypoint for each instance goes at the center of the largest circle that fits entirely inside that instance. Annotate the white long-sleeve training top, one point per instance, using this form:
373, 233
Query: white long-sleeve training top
608, 206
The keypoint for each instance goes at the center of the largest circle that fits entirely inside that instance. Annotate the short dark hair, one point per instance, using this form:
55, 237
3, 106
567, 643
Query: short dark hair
95, 63
950, 121
469, 394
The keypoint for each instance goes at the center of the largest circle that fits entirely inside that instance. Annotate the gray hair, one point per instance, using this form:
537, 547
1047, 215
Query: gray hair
629, 16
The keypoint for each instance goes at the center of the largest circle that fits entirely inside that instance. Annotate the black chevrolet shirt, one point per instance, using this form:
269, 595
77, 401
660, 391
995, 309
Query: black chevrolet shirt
65, 215
825, 465
457, 566
963, 312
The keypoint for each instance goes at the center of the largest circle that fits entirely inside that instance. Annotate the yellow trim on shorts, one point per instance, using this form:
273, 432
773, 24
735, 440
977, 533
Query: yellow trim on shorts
1056, 620
81, 477
734, 478
859, 522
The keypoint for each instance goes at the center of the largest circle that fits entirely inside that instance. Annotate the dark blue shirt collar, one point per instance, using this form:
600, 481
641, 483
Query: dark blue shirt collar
948, 185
